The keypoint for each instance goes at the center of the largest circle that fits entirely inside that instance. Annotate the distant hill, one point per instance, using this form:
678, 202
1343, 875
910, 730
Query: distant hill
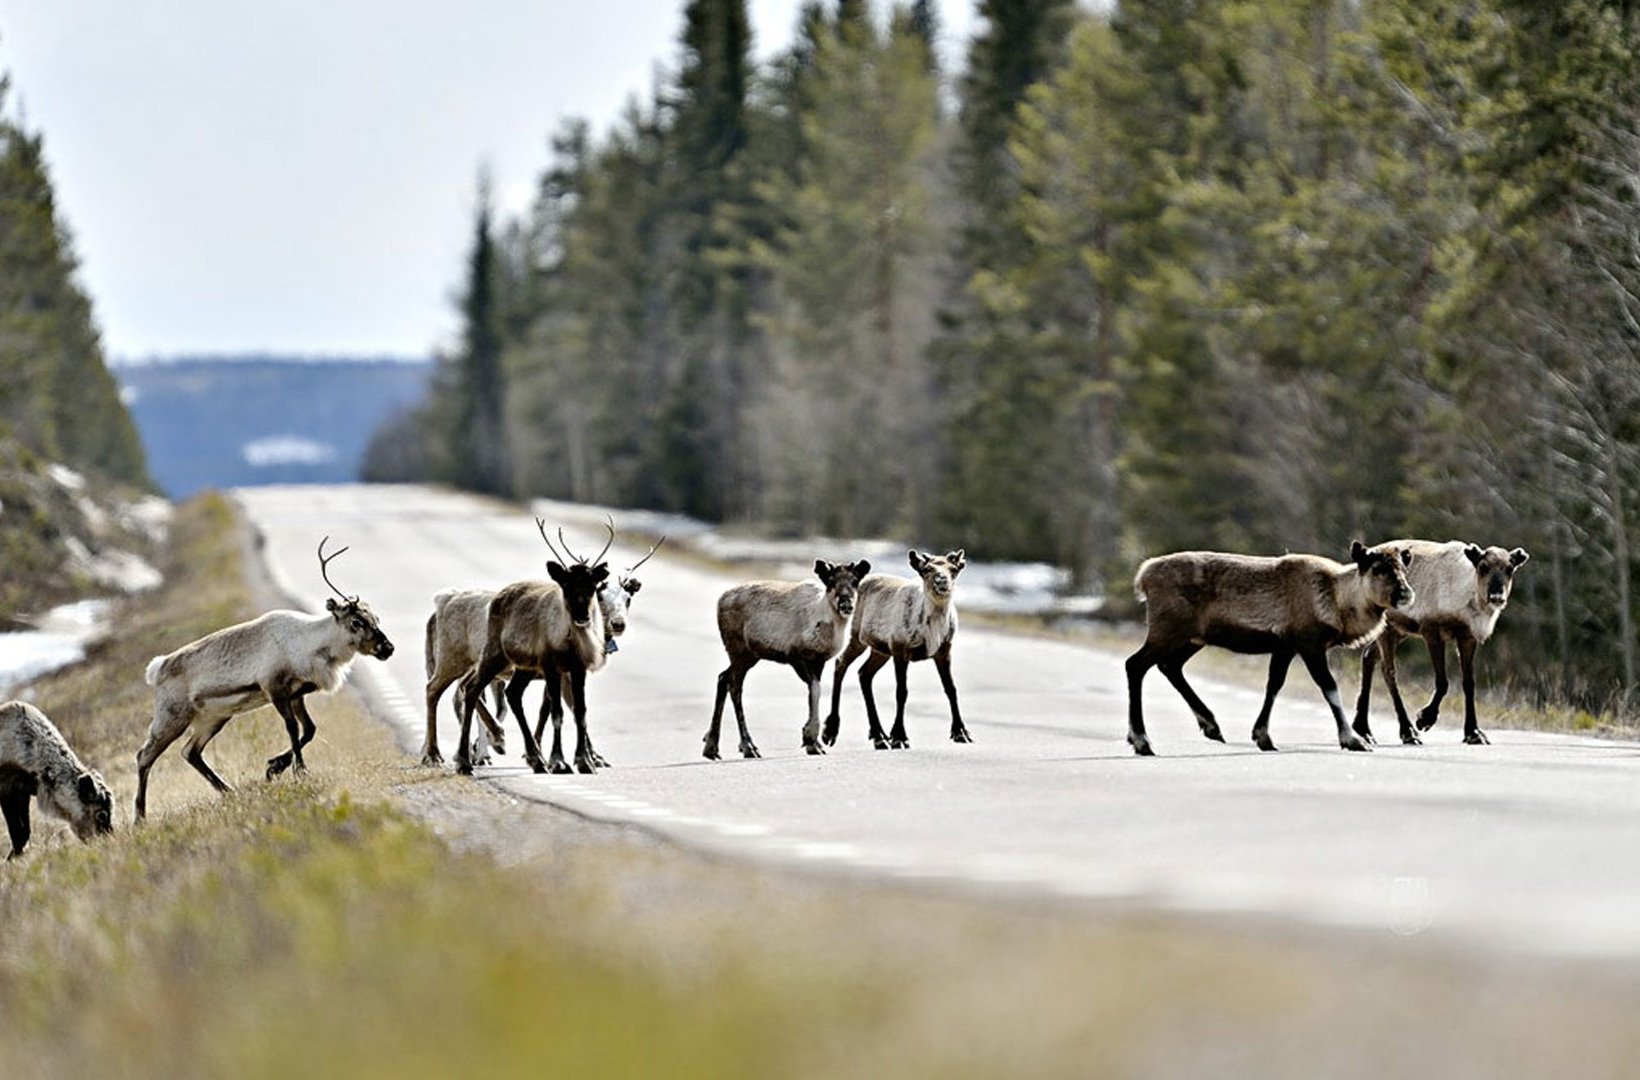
242, 421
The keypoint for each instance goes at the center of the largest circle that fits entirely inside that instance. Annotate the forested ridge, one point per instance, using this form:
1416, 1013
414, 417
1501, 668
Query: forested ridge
1258, 275
57, 396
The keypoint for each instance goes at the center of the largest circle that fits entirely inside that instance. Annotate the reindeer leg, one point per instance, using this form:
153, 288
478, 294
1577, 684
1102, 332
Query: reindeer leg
897, 738
1472, 733
839, 669
1137, 666
429, 746
1280, 660
14, 797
1363, 701
583, 743
710, 742
597, 758
1437, 660
942, 664
1386, 652
171, 719
472, 688
552, 706
812, 676
279, 762
499, 735
1316, 661
868, 671
737, 682
1173, 669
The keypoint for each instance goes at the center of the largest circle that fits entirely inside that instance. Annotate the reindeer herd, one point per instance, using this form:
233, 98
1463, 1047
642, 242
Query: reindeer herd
564, 629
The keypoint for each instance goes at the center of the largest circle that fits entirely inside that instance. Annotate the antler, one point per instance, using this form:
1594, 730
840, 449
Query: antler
609, 523
633, 568
324, 570
541, 524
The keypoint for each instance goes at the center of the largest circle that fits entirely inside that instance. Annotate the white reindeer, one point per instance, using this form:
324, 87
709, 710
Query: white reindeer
37, 762
896, 619
278, 659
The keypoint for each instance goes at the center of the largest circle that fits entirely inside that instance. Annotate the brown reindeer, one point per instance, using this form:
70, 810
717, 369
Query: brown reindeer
796, 623
904, 621
1462, 589
1295, 605
547, 629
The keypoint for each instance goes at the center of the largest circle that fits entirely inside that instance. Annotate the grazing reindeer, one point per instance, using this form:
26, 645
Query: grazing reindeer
36, 761
1462, 589
278, 659
897, 619
545, 629
456, 632
789, 622
1299, 605
615, 597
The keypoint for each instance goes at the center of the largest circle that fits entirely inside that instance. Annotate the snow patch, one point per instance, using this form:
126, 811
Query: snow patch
113, 568
66, 478
275, 450
60, 638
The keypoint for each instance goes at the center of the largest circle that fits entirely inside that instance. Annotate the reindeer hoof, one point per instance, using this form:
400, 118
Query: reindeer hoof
961, 735
899, 742
432, 759
711, 754
1410, 737
1355, 742
1141, 745
1426, 719
585, 765
464, 768
829, 735
879, 742
749, 751
1211, 730
559, 767
538, 766
1476, 737
1263, 742
1364, 732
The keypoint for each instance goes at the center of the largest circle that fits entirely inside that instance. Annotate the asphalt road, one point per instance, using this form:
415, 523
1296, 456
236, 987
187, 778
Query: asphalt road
1530, 845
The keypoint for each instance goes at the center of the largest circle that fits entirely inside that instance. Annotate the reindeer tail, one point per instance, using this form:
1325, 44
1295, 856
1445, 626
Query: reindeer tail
150, 674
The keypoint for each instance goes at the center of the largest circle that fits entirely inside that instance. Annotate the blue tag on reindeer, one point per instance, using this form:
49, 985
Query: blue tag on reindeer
610, 646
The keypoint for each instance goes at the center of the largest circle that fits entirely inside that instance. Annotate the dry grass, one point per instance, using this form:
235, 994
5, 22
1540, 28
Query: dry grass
374, 918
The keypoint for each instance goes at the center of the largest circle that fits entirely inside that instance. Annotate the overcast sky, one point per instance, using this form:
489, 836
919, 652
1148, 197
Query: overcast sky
298, 175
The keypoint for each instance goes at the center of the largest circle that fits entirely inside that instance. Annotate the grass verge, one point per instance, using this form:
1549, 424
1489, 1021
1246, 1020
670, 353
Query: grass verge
373, 918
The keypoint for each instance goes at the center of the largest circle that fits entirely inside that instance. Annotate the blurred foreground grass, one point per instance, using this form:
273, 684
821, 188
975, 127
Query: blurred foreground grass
377, 919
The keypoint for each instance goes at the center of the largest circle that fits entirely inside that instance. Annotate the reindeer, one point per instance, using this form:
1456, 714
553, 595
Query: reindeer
789, 622
896, 619
614, 597
547, 629
277, 658
36, 761
456, 632
1462, 589
1299, 605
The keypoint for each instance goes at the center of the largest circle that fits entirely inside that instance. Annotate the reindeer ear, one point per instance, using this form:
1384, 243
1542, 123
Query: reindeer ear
958, 559
861, 568
555, 570
1473, 553
917, 559
1358, 552
1518, 557
599, 573
632, 585
87, 787
1406, 557
331, 605
824, 570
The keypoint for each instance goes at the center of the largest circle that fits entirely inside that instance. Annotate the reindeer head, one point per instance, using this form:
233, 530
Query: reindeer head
580, 579
1384, 573
938, 572
354, 616
84, 802
842, 582
615, 596
1495, 573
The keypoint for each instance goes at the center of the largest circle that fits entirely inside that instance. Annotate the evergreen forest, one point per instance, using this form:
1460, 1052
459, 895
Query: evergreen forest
1254, 275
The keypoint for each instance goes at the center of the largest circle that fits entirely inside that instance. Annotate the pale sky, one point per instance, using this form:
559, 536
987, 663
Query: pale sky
298, 176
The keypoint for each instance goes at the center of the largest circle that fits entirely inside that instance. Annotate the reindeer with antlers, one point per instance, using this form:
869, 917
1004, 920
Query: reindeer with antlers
614, 598
278, 659
550, 630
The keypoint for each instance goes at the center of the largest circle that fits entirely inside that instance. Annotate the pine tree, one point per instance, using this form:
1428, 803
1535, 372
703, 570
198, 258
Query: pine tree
477, 436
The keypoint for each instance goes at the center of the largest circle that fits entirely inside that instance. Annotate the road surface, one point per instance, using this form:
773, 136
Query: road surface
1528, 845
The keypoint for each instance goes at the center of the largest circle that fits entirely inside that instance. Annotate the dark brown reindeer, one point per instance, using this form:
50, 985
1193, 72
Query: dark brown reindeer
278, 659
905, 621
797, 623
1462, 589
1295, 605
548, 630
